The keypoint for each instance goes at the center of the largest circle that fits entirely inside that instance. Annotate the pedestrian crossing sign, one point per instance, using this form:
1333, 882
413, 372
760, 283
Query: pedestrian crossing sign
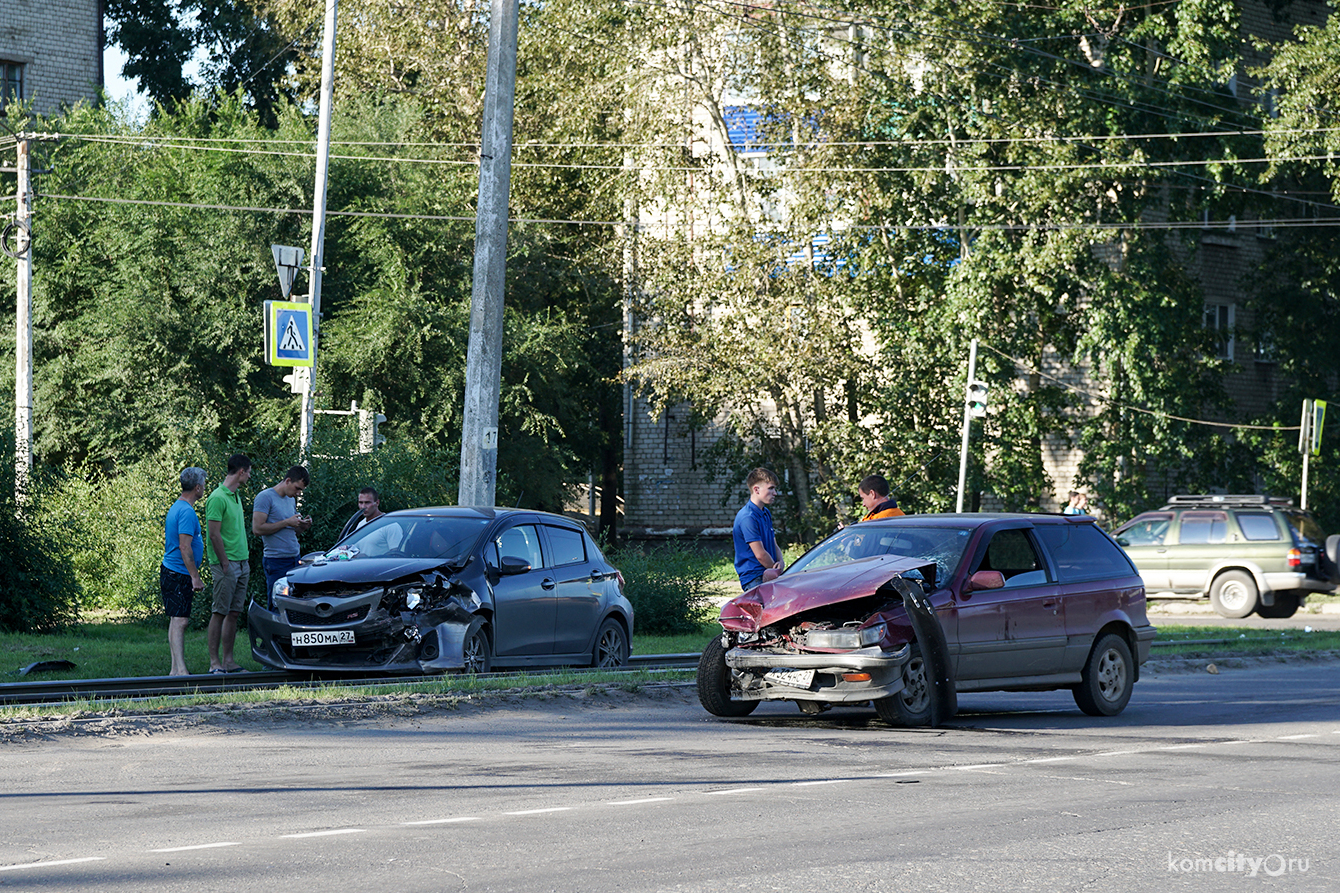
288, 333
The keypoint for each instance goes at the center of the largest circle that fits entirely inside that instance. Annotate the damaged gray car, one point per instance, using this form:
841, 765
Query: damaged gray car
438, 589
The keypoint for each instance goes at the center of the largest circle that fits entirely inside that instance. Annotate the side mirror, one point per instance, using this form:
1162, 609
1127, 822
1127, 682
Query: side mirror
986, 580
511, 566
1123, 542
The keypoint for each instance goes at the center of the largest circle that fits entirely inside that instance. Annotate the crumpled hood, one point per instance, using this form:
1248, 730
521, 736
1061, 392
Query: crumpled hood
362, 570
792, 594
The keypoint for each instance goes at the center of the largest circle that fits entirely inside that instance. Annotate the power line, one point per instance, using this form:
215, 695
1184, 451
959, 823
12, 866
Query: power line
1099, 398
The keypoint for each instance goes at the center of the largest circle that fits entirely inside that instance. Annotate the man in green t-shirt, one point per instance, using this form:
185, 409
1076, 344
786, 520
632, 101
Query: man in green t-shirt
228, 556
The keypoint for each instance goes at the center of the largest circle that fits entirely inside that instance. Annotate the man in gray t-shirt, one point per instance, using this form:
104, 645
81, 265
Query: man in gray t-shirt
275, 519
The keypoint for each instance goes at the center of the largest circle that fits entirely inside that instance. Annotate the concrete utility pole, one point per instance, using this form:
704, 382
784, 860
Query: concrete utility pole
318, 225
483, 362
23, 346
967, 427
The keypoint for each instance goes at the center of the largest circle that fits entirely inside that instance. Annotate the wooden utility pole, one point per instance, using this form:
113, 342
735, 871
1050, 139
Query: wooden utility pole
483, 361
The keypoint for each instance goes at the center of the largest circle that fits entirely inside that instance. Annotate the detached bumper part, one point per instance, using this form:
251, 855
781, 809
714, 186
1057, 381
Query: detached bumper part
760, 675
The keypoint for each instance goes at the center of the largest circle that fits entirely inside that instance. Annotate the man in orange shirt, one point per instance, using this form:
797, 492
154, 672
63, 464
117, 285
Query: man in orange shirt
875, 497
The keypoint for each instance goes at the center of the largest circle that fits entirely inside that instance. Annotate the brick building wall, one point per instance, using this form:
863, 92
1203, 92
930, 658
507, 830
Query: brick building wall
57, 46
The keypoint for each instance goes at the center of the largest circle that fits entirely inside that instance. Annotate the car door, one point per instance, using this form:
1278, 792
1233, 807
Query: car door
1144, 538
523, 604
1018, 630
578, 588
1095, 579
1201, 543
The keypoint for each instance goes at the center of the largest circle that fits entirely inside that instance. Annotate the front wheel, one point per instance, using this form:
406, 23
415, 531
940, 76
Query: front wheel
1233, 594
476, 655
911, 707
611, 648
714, 683
1108, 675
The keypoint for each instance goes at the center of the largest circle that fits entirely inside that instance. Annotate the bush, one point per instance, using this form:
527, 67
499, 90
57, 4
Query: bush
38, 591
667, 584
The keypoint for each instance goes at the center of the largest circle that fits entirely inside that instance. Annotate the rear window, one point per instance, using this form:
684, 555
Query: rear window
1307, 527
1203, 528
1258, 526
1083, 552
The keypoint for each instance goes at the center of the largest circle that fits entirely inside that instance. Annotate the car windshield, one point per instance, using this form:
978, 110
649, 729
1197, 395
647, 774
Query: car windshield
943, 545
412, 536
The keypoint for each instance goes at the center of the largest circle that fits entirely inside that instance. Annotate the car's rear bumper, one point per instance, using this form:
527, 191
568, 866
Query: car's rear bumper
1296, 582
866, 674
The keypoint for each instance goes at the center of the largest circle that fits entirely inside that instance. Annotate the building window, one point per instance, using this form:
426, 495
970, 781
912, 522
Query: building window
11, 82
1219, 319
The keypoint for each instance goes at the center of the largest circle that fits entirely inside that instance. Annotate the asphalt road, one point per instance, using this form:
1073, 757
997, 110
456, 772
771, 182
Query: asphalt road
1206, 782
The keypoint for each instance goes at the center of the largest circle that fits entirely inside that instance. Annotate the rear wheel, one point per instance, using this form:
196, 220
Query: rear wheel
1107, 678
1233, 594
911, 707
1286, 605
477, 656
714, 683
611, 649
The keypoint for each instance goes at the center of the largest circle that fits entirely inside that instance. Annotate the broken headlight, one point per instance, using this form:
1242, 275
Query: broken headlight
847, 638
413, 597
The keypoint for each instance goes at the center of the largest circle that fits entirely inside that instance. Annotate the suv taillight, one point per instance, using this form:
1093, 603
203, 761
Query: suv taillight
1295, 559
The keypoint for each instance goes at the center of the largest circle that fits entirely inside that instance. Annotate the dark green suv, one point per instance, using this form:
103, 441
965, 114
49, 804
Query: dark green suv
1247, 553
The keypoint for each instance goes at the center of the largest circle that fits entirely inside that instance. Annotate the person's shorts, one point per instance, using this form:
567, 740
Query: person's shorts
177, 592
230, 586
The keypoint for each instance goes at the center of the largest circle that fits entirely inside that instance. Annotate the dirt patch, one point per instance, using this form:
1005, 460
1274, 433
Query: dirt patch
372, 709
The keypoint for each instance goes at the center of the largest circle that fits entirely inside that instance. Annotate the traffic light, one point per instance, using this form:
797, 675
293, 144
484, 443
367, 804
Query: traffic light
977, 398
368, 436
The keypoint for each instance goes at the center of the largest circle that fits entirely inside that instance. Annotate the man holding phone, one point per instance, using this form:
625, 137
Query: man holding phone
275, 519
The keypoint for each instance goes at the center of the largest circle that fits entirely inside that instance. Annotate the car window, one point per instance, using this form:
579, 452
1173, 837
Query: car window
1083, 552
522, 541
1203, 528
1148, 529
1258, 526
942, 545
1307, 527
1012, 553
412, 536
566, 545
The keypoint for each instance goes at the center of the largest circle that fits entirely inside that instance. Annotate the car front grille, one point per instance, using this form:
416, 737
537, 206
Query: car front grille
303, 618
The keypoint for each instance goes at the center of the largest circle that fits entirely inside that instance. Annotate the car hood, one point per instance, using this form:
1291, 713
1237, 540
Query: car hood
362, 570
793, 594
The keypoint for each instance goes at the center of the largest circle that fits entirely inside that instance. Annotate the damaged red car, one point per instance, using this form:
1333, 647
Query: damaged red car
905, 613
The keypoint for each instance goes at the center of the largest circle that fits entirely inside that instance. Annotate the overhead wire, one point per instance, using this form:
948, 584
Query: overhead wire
1116, 404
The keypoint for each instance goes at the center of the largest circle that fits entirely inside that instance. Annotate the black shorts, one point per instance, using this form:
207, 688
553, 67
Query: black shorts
177, 592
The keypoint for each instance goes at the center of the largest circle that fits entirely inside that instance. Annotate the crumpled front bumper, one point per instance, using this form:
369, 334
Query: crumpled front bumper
760, 675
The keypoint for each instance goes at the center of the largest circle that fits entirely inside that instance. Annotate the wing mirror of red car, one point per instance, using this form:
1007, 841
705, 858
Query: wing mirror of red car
986, 580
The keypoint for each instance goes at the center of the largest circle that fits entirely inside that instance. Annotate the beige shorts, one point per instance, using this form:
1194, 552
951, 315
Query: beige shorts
230, 586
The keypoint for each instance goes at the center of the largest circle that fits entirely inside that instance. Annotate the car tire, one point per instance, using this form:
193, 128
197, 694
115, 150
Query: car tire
476, 652
1107, 679
611, 648
714, 683
1286, 605
1329, 558
1234, 594
911, 707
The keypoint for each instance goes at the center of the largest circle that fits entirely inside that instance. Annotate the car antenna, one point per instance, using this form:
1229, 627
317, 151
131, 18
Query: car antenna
518, 500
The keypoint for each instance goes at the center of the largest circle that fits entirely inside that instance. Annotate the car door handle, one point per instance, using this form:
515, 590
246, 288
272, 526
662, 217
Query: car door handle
546, 583
1049, 606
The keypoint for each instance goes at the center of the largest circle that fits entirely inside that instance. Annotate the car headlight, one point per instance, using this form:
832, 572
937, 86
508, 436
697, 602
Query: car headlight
281, 587
413, 597
845, 639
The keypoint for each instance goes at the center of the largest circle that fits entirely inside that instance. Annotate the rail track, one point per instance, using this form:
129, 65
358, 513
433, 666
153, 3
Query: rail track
65, 690
140, 687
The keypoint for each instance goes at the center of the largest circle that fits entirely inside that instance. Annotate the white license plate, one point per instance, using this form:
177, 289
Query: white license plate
323, 637
793, 678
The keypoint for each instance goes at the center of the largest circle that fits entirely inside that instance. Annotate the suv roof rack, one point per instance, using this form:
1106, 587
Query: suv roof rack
1229, 499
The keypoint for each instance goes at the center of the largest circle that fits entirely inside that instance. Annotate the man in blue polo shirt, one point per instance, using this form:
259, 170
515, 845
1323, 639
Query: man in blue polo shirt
757, 558
179, 574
